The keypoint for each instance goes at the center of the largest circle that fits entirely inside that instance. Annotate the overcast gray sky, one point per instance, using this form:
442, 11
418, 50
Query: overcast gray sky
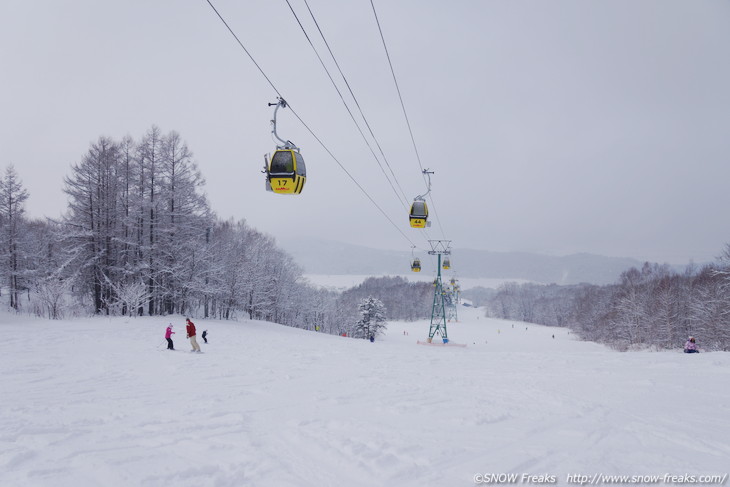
554, 127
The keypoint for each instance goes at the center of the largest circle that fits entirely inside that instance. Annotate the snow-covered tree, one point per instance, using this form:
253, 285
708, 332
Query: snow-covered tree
92, 221
12, 201
50, 294
131, 296
137, 213
372, 318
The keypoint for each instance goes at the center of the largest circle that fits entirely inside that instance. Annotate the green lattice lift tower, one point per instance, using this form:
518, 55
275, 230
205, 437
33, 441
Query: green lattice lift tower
438, 311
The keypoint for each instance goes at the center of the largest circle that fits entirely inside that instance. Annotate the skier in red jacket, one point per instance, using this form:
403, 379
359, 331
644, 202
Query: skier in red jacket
190, 328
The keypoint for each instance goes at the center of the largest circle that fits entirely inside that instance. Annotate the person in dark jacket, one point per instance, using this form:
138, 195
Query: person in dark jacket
205, 336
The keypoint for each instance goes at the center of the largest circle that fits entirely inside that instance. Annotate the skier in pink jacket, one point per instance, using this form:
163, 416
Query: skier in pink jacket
168, 337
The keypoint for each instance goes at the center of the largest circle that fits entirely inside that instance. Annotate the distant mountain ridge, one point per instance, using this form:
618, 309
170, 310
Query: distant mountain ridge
329, 257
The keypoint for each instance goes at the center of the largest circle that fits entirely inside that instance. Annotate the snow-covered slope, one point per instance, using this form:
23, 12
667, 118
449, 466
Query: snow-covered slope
99, 402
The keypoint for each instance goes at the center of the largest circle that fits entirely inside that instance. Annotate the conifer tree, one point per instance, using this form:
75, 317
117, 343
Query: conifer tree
12, 202
372, 318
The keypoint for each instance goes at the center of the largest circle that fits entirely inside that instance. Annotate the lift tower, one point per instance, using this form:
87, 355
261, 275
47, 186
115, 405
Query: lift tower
438, 311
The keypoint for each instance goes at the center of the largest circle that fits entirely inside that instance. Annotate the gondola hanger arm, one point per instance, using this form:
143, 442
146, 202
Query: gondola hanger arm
422, 197
286, 144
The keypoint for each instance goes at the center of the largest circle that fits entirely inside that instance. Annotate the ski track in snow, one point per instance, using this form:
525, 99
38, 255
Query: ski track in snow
100, 402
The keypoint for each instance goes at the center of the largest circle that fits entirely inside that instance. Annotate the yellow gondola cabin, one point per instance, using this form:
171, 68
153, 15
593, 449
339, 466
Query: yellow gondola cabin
419, 214
287, 172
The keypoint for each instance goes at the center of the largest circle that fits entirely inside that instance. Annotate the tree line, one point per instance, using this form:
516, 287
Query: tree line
403, 299
649, 307
139, 238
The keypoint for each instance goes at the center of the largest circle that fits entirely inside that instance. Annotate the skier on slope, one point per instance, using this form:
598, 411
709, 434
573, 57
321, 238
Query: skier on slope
190, 328
691, 346
205, 335
168, 337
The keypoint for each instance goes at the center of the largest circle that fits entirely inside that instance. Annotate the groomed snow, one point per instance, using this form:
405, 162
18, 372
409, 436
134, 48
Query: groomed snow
99, 402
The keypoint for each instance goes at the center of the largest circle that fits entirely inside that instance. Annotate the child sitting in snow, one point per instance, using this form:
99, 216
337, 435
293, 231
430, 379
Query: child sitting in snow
691, 346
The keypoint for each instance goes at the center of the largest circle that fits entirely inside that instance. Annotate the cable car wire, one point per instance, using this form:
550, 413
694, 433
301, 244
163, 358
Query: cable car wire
350, 175
243, 47
404, 202
397, 87
307, 126
405, 113
311, 13
357, 103
329, 75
